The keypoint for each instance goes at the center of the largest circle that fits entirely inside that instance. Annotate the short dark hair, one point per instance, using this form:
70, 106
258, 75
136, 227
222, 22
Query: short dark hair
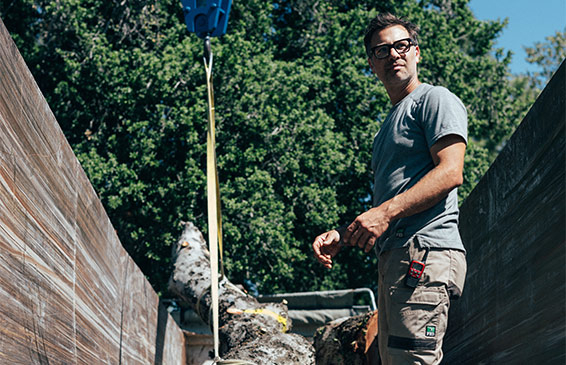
386, 20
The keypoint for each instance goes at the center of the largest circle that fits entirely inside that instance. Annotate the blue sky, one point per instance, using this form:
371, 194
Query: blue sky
530, 21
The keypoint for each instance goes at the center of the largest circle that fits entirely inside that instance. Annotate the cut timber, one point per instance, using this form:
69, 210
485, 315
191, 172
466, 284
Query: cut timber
348, 341
249, 330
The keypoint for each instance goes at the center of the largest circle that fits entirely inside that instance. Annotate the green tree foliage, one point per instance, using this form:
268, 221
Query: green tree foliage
297, 109
548, 56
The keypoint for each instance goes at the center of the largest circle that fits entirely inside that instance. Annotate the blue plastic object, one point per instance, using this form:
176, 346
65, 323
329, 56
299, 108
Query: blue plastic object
206, 17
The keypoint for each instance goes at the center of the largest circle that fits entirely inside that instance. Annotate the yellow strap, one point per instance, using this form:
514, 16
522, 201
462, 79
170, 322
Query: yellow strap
213, 202
219, 219
211, 157
270, 313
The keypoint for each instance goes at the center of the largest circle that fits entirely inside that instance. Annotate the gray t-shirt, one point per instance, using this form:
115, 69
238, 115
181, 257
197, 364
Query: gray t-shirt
401, 157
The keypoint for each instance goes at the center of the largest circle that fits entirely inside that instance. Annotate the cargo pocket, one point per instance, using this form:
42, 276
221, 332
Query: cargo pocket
418, 317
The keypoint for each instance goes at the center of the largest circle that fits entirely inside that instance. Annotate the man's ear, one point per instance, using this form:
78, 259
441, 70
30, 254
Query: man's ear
371, 66
418, 53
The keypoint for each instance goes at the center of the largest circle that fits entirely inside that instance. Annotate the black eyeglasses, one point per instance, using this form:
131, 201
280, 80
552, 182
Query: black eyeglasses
402, 46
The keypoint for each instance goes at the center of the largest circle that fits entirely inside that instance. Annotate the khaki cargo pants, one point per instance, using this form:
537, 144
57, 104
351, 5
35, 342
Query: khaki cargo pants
412, 321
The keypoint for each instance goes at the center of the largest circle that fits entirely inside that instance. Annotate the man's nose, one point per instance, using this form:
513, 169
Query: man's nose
393, 53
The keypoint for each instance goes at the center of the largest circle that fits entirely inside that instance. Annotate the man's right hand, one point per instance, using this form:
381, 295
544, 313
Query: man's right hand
326, 246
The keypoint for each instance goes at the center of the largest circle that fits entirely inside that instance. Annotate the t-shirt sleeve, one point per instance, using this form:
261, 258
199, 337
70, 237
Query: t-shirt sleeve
442, 114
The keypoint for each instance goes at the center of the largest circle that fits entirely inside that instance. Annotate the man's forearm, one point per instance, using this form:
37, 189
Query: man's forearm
448, 155
425, 194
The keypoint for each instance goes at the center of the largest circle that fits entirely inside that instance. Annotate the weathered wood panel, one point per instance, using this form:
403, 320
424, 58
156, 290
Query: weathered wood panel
514, 228
69, 293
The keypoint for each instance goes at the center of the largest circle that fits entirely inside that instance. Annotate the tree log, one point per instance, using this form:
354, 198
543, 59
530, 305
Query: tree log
249, 330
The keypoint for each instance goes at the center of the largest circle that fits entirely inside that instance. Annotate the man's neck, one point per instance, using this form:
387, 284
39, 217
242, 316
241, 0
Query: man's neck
398, 93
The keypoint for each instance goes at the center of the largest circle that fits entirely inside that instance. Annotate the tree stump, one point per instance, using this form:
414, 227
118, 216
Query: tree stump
348, 341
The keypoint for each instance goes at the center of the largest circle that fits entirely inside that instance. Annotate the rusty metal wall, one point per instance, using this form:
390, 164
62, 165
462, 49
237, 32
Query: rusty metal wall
69, 293
514, 228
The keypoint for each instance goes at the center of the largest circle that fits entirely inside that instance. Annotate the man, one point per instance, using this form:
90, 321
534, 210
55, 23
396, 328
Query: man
417, 160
